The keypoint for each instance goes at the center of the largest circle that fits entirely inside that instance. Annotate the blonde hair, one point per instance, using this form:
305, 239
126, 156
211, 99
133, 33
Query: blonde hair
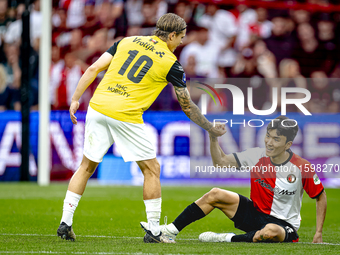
3, 78
169, 23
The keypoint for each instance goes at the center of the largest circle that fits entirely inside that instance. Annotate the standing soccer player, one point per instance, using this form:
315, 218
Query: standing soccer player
278, 180
138, 68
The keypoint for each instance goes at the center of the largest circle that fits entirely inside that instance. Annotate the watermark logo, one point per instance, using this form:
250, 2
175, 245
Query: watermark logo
204, 100
238, 99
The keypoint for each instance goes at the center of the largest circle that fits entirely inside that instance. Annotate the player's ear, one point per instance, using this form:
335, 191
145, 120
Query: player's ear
288, 145
172, 35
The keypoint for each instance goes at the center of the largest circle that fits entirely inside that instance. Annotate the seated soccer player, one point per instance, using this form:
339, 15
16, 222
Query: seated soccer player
278, 179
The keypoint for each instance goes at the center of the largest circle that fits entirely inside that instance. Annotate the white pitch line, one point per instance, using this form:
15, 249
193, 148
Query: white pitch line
59, 252
92, 236
319, 243
135, 237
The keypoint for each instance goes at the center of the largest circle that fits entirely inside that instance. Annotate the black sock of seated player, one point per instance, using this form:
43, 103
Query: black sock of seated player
190, 214
247, 237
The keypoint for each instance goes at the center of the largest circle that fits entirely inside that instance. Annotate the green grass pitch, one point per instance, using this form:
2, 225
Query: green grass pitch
107, 222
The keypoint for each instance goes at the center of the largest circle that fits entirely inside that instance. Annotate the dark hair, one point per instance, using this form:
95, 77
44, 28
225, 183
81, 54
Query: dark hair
169, 23
289, 128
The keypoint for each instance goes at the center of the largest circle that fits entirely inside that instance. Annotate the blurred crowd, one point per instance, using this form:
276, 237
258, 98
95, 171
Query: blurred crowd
238, 43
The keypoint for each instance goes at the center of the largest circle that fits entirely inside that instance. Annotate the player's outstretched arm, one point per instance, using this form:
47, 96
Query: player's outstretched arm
321, 207
87, 78
218, 156
194, 113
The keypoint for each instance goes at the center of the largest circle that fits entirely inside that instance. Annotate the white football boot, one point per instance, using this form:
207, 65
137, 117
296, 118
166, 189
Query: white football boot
211, 237
164, 229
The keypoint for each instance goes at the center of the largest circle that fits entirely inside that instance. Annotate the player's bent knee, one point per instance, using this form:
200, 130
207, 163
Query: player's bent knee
272, 232
212, 195
215, 191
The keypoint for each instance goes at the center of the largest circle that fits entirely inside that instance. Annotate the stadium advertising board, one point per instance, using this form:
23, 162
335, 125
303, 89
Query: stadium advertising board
318, 141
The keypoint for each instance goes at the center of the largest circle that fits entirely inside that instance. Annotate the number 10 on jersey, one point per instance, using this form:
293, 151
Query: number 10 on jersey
142, 60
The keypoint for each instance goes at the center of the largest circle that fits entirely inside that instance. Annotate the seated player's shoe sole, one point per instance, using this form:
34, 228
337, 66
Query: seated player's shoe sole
66, 232
150, 238
211, 237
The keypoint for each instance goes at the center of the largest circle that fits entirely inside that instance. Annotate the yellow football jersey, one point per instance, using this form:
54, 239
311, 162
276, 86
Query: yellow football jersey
140, 68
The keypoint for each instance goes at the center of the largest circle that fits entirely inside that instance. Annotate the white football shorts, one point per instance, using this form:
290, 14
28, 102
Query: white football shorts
102, 131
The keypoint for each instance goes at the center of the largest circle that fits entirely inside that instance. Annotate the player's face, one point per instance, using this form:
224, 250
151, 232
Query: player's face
176, 40
275, 144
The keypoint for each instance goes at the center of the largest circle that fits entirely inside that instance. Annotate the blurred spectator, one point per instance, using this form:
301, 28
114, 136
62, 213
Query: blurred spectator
300, 16
290, 74
11, 12
57, 65
162, 8
9, 98
281, 43
246, 68
149, 11
96, 46
119, 18
75, 45
222, 31
133, 31
184, 9
246, 65
326, 33
134, 15
266, 62
190, 68
325, 98
244, 18
291, 77
327, 40
74, 12
65, 83
310, 54
60, 33
261, 28
205, 54
106, 19
12, 66
14, 31
4, 22
92, 23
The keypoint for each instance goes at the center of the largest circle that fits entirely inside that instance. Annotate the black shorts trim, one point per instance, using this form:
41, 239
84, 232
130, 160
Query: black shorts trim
318, 194
247, 219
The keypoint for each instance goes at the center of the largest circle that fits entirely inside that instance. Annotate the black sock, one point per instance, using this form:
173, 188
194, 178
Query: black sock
190, 214
247, 237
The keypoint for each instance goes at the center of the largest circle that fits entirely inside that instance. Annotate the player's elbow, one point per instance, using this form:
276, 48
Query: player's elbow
93, 68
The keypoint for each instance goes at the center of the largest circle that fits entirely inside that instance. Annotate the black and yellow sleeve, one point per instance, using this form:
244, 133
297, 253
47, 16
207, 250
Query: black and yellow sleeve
176, 75
113, 49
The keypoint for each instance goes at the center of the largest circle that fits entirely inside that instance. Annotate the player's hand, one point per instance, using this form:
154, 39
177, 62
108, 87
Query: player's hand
73, 109
217, 130
317, 237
